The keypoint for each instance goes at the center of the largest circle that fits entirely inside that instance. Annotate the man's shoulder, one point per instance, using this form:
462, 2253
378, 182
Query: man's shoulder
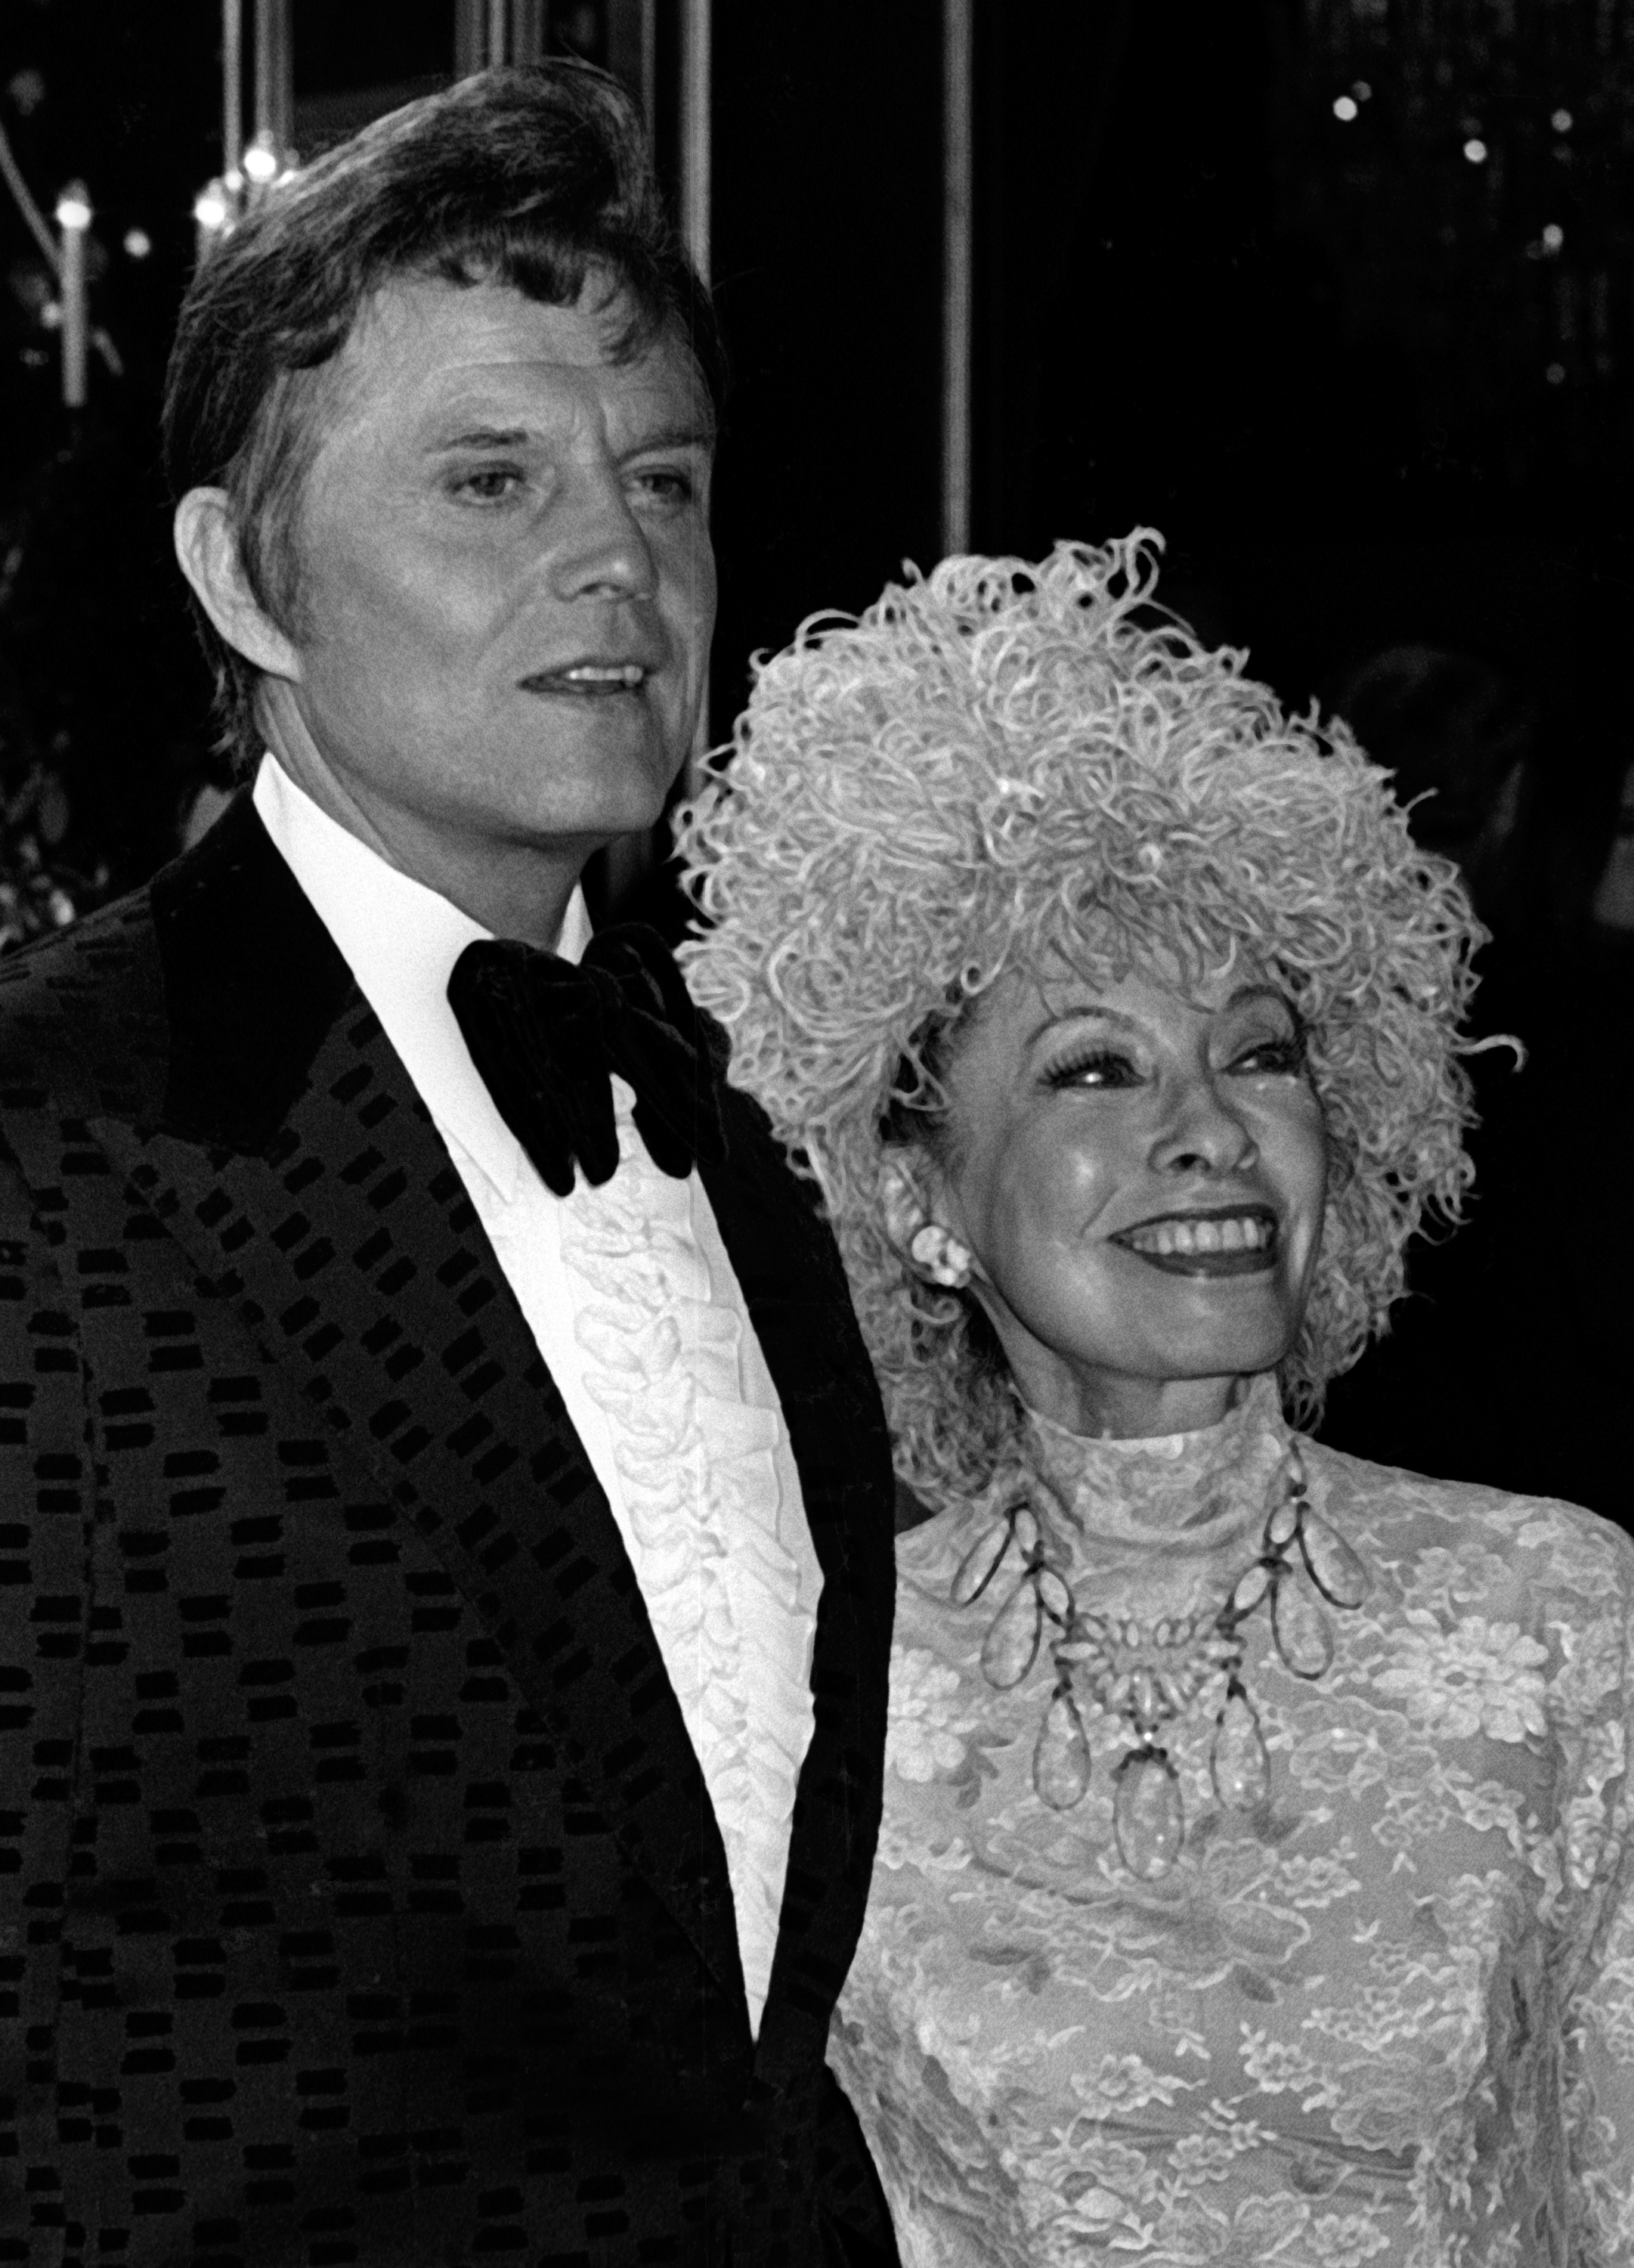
200, 957
67, 999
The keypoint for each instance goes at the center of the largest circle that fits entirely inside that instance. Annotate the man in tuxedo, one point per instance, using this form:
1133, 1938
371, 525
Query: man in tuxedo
446, 1542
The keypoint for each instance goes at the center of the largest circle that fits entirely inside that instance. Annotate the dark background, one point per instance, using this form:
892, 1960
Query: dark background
1333, 362
1338, 294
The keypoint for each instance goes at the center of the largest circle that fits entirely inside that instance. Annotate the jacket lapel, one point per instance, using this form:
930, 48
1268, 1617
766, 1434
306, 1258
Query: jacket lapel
296, 1164
799, 1304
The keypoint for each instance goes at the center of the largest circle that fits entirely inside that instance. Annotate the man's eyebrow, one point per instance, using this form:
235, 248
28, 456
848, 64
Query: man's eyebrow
692, 435
480, 437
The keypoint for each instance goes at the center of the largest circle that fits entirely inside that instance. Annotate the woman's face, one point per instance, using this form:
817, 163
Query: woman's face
1138, 1173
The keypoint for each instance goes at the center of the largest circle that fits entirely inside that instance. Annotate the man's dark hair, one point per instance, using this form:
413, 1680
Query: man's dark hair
536, 179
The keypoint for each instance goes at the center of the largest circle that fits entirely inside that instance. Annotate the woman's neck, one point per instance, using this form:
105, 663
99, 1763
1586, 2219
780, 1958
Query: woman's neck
1201, 1488
1120, 1409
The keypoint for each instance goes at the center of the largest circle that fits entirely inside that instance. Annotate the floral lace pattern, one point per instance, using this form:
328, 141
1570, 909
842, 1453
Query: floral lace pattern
1387, 2020
698, 1442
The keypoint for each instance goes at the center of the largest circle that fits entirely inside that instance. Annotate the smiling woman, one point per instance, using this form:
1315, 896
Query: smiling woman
1256, 1875
1007, 779
1136, 1171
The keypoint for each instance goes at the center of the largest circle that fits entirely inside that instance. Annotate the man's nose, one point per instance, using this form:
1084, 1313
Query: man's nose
1201, 1131
598, 546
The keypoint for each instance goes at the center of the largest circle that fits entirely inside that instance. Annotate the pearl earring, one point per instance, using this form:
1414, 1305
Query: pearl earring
943, 1258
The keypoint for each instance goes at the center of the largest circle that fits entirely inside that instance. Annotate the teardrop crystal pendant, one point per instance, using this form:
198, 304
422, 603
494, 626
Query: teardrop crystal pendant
1053, 1595
1301, 1628
1279, 1527
1011, 1647
1334, 1569
980, 1565
1147, 1819
1251, 1587
1061, 1760
1238, 1763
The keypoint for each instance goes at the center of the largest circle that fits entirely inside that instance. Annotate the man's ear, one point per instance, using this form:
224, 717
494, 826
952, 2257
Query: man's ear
206, 550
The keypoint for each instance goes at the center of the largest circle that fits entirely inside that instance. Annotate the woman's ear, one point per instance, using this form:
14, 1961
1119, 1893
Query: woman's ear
906, 1201
902, 1201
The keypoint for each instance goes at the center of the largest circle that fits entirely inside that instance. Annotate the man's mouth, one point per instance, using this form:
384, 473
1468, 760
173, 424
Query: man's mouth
591, 680
1240, 1242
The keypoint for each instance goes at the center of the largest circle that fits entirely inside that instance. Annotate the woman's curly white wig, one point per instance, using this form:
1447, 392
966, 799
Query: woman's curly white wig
1000, 758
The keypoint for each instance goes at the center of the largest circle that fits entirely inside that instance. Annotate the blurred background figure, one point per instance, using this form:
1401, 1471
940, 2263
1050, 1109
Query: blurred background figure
1612, 906
1460, 740
1512, 1360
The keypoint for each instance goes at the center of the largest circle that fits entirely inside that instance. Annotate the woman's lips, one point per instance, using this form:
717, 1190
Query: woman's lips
1242, 1243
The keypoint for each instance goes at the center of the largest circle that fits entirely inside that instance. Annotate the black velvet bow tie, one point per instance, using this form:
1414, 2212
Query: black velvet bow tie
546, 1034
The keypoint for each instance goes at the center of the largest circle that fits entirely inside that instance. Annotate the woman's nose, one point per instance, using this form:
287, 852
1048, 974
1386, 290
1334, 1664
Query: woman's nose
1201, 1131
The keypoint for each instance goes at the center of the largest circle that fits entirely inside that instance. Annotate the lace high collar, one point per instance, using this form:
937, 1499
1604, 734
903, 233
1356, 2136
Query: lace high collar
1190, 1494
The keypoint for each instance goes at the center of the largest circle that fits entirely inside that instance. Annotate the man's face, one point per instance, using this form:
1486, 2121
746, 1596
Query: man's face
506, 583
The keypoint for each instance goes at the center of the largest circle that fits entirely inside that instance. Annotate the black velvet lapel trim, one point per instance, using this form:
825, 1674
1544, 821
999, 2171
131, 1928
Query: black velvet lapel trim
253, 983
791, 1276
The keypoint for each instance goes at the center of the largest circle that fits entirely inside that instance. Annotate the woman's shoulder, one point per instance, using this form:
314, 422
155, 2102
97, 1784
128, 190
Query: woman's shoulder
1558, 1544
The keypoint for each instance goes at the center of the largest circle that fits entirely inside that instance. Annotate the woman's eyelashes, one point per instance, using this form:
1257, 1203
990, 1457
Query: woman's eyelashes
1284, 1056
1099, 1067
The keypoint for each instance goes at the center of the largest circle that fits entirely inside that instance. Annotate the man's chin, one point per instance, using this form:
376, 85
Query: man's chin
617, 766
601, 789
591, 824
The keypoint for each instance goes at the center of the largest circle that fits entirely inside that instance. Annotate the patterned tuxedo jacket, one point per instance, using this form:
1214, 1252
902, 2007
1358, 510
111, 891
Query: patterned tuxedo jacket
362, 1900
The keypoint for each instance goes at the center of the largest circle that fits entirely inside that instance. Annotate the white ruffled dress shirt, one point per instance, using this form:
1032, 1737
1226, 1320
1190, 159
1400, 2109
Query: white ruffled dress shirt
636, 1311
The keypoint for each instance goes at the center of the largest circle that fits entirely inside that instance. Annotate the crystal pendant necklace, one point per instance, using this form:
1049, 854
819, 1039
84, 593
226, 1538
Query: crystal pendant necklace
1150, 1675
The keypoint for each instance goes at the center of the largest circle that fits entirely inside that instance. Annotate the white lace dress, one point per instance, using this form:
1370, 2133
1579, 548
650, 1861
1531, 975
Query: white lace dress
1386, 2019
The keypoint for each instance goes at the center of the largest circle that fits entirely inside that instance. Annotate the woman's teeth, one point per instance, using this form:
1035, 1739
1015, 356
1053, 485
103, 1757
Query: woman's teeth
1242, 1233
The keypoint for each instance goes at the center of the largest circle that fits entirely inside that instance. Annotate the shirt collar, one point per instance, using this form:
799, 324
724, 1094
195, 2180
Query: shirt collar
401, 941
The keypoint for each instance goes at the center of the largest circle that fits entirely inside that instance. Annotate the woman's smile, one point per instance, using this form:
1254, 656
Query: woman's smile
1227, 1241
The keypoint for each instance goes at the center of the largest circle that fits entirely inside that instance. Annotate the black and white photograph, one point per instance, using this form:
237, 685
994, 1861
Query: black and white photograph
816, 1009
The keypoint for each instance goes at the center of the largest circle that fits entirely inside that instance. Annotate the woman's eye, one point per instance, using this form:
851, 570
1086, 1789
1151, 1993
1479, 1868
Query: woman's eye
1280, 1058
1104, 1068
